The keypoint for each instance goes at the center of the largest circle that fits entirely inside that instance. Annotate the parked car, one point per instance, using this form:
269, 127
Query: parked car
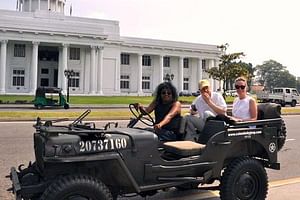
197, 93
185, 93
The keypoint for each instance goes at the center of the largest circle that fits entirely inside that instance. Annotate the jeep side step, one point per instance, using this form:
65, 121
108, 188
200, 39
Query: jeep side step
198, 179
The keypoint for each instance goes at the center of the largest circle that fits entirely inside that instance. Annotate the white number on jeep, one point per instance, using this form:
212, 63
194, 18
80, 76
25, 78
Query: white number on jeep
102, 145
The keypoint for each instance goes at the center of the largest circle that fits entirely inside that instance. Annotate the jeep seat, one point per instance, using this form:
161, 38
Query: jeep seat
184, 148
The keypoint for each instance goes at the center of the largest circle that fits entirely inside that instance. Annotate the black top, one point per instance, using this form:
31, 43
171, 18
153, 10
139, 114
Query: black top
161, 110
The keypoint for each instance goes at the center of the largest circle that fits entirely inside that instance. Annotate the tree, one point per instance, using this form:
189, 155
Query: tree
273, 74
230, 68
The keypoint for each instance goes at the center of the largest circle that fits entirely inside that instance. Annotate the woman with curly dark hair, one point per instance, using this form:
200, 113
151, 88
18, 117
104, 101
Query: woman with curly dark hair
167, 111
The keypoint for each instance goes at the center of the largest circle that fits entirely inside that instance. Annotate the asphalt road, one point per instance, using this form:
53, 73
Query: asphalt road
16, 147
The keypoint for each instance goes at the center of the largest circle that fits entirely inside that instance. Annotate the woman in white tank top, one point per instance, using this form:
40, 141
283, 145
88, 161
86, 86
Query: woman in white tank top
244, 106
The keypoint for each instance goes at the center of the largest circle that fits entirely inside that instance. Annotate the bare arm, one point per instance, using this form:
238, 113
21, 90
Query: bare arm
150, 107
218, 109
253, 109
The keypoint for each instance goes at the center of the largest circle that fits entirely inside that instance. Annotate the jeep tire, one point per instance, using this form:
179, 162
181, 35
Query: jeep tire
77, 187
244, 178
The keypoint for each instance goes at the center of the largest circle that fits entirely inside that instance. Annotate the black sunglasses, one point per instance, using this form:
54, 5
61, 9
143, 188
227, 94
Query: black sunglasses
166, 93
240, 87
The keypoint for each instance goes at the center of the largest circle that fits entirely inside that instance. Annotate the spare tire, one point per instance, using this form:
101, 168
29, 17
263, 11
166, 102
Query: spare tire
282, 136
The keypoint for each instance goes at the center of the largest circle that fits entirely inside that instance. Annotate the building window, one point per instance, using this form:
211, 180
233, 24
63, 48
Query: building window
18, 77
44, 71
166, 61
146, 61
146, 82
74, 80
74, 53
125, 59
185, 83
124, 82
204, 64
185, 63
19, 50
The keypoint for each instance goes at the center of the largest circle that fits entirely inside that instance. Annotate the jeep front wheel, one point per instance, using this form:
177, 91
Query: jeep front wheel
77, 187
244, 178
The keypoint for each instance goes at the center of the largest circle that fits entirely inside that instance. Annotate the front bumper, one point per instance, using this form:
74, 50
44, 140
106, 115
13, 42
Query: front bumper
16, 187
28, 189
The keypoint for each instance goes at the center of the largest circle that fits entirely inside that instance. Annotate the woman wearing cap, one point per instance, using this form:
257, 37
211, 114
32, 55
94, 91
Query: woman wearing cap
207, 104
244, 107
167, 111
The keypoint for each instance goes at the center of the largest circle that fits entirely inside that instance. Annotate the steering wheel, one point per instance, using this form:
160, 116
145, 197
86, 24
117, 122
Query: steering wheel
141, 115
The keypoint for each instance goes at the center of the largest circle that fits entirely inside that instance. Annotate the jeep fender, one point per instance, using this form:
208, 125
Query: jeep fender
108, 167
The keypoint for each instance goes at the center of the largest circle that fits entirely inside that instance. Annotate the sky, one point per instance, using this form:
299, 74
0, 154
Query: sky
262, 29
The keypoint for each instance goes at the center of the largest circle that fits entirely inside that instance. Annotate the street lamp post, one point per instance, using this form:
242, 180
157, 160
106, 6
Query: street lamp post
68, 74
169, 77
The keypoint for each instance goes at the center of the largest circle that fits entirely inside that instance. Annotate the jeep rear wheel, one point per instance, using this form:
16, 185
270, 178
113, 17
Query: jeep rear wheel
244, 178
77, 187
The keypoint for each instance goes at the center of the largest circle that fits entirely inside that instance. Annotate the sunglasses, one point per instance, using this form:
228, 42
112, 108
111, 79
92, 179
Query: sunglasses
166, 93
240, 87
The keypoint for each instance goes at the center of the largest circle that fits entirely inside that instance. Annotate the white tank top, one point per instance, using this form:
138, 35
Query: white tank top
241, 109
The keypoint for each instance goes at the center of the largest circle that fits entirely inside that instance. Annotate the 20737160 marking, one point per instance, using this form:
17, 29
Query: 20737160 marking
103, 145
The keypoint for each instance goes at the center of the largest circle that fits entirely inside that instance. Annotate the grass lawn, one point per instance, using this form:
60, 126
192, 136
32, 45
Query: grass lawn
98, 99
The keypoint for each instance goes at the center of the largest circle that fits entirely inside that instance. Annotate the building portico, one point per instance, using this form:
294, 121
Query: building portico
39, 44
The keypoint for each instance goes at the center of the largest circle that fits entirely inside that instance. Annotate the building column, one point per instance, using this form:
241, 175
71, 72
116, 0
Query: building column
199, 69
3, 66
56, 6
211, 80
140, 74
161, 69
180, 75
100, 70
117, 75
30, 5
39, 4
63, 67
93, 74
34, 66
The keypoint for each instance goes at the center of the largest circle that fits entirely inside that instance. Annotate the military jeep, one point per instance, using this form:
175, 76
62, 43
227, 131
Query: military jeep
80, 161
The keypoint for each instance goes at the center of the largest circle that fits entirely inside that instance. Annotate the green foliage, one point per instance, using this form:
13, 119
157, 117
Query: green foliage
273, 74
230, 68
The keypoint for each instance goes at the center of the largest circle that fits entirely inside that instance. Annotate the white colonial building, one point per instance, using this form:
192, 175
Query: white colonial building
39, 42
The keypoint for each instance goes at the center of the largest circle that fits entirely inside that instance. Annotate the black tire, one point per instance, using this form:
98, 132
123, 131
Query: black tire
244, 178
294, 103
66, 106
282, 136
77, 187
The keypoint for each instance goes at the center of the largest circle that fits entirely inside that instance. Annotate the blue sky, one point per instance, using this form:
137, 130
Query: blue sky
262, 29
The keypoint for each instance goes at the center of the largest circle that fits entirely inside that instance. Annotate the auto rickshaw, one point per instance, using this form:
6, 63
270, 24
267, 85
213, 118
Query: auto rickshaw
50, 97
